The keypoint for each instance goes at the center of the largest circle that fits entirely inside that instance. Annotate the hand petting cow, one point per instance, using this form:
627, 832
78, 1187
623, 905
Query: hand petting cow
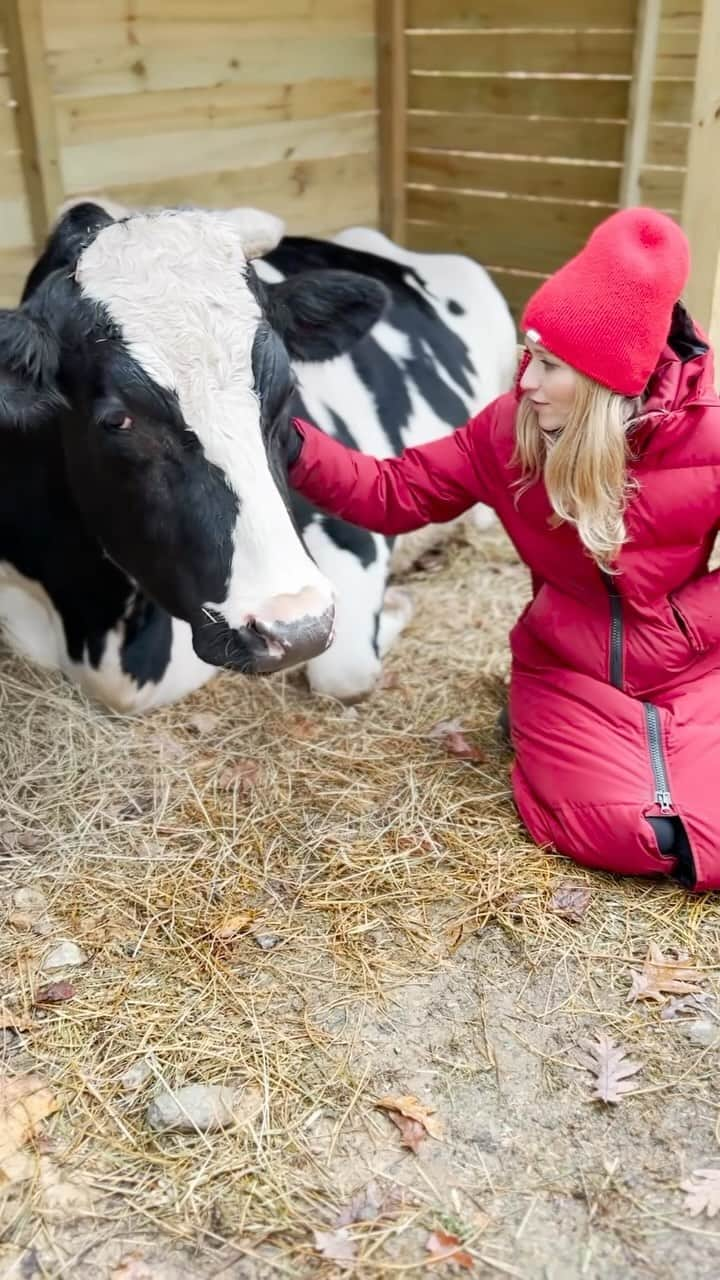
147, 381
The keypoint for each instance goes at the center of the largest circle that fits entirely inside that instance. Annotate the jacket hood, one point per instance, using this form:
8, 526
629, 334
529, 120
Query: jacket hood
684, 377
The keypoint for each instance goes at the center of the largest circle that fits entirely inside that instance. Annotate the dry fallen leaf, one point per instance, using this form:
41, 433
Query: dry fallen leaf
243, 774
610, 1066
203, 721
302, 728
444, 1247
54, 993
338, 1246
371, 1203
571, 900
24, 1102
232, 925
452, 736
663, 975
413, 1119
703, 1192
132, 1267
691, 1005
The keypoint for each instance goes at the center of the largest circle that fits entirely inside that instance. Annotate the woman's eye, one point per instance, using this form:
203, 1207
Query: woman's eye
547, 364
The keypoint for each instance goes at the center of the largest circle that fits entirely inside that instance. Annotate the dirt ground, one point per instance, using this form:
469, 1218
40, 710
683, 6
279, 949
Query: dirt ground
322, 907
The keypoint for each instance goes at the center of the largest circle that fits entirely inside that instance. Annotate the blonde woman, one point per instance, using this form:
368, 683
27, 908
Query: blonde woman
604, 468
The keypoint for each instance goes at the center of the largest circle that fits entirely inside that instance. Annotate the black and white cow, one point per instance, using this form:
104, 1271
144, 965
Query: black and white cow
145, 391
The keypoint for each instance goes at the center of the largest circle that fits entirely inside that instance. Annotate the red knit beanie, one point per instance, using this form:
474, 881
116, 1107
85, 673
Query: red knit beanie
607, 312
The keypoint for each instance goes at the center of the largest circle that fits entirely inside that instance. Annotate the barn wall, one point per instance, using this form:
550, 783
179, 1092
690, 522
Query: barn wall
216, 102
516, 125
16, 235
663, 174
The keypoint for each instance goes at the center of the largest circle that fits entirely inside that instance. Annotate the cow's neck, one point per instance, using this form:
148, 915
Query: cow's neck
59, 594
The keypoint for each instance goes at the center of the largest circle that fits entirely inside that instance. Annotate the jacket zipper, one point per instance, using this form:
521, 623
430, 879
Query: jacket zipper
616, 632
657, 758
661, 784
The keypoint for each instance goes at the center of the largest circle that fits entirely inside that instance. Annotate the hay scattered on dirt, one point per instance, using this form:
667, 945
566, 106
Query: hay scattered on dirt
358, 861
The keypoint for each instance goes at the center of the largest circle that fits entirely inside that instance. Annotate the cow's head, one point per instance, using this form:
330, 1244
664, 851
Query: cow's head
172, 360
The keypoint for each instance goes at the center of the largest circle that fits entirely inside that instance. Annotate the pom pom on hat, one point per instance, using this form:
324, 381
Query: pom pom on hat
607, 312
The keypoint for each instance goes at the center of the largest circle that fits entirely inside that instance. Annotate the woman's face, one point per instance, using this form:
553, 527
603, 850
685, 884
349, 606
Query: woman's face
549, 385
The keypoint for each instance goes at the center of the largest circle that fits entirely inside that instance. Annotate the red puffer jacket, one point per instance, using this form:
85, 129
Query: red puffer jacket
615, 688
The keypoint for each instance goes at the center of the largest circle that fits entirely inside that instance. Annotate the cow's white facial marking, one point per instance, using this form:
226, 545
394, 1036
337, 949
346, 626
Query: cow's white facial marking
175, 284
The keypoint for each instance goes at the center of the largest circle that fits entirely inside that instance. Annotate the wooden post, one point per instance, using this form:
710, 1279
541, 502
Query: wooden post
35, 115
392, 115
641, 88
701, 202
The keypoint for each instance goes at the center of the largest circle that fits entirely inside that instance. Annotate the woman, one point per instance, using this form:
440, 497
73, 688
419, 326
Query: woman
604, 468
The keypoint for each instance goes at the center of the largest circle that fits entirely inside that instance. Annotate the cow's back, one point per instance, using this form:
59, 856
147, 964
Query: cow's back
445, 348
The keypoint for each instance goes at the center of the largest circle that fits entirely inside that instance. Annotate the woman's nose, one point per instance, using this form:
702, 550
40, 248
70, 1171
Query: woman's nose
529, 380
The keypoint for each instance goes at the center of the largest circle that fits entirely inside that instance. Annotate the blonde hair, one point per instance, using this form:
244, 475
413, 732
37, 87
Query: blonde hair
583, 465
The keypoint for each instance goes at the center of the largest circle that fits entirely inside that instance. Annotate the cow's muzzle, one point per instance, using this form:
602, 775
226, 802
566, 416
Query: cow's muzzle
285, 631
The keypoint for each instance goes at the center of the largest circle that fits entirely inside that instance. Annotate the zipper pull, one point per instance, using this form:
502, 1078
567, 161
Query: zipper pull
664, 800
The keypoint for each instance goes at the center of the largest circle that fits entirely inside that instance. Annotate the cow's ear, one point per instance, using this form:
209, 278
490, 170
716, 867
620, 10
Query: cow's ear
29, 347
322, 314
29, 358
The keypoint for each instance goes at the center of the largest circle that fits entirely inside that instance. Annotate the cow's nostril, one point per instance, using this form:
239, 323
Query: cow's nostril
276, 635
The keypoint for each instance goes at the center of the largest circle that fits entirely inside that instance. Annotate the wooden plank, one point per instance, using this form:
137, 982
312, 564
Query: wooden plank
668, 144
475, 14
517, 135
516, 287
662, 188
526, 176
130, 69
101, 119
392, 119
174, 155
581, 98
97, 24
677, 54
35, 120
528, 235
714, 326
640, 98
310, 194
672, 101
16, 230
581, 53
701, 203
14, 267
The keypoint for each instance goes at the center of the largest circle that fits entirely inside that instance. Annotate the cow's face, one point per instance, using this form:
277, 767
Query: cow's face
177, 385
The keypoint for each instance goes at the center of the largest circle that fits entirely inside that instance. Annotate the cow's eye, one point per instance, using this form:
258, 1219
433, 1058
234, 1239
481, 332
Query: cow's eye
117, 420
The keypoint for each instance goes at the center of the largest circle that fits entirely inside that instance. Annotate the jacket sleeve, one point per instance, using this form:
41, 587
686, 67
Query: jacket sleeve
430, 484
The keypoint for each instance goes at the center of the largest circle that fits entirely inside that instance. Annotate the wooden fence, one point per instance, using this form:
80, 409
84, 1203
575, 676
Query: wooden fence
215, 102
508, 128
517, 124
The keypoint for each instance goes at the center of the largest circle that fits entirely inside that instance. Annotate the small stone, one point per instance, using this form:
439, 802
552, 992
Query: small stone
30, 911
266, 940
30, 900
138, 1073
64, 956
704, 1032
195, 1106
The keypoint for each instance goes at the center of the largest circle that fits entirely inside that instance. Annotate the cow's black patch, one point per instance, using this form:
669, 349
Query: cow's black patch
385, 382
348, 537
411, 310
455, 308
147, 648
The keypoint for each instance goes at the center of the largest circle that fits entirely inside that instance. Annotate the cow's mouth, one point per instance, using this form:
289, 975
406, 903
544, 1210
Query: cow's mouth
254, 650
